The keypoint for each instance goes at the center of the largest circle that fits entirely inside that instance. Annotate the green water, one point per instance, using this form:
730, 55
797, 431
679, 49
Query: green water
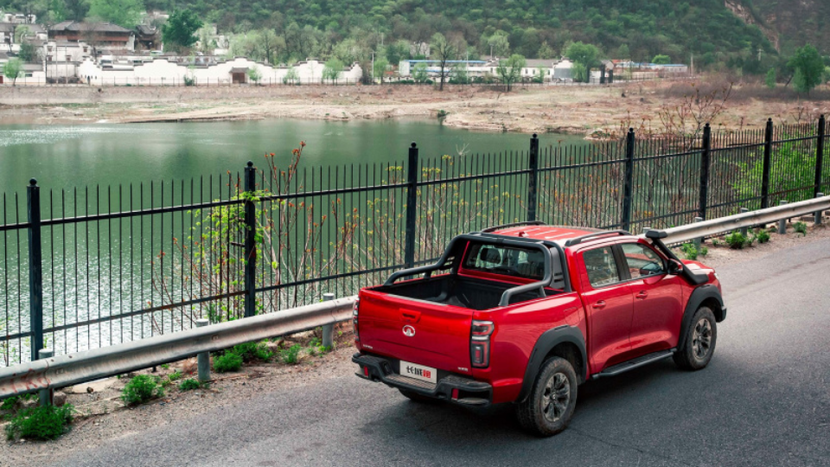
67, 156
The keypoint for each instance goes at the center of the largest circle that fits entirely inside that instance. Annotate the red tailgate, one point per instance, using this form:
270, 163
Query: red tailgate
416, 331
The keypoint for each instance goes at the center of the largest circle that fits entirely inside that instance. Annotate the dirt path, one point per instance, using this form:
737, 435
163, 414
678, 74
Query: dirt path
549, 109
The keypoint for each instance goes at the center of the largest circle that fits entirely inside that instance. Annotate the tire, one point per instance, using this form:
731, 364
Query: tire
701, 338
539, 415
415, 397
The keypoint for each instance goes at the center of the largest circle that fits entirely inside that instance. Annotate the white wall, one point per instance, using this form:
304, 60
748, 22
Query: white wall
161, 71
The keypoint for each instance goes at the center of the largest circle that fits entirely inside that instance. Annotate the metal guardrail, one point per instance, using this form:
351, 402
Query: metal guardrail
67, 370
685, 233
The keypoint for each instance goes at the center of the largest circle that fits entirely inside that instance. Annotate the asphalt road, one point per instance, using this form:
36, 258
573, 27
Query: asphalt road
764, 400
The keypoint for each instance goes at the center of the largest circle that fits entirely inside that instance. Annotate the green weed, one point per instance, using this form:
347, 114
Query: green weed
229, 361
291, 355
801, 228
252, 351
737, 240
141, 389
42, 423
762, 236
189, 384
175, 376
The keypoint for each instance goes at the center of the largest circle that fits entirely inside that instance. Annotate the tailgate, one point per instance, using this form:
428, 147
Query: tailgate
416, 331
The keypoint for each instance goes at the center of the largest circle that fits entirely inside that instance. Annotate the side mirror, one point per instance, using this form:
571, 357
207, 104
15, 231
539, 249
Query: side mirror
675, 267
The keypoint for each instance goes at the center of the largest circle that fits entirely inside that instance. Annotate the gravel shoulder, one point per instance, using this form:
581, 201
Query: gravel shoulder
103, 418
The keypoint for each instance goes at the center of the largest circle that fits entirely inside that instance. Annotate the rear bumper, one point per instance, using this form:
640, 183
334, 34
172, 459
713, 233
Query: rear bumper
469, 391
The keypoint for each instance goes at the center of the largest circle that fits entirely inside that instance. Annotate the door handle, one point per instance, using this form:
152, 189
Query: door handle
642, 295
599, 305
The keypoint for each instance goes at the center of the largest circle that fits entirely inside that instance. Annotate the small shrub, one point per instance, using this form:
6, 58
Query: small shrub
175, 376
291, 355
141, 389
801, 228
737, 240
189, 384
229, 361
442, 113
252, 351
762, 236
43, 423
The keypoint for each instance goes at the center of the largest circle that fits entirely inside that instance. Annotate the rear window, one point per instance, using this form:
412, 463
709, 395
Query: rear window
505, 260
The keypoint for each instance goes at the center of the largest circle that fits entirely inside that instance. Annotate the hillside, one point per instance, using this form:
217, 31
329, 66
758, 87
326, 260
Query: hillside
797, 22
719, 33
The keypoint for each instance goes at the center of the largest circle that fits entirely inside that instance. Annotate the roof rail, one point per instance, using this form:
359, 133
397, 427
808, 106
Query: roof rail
514, 224
582, 238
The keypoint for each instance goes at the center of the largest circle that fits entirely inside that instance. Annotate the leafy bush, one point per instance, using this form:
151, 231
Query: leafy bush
189, 384
762, 236
737, 240
141, 389
175, 375
229, 361
692, 252
251, 351
801, 228
291, 355
43, 423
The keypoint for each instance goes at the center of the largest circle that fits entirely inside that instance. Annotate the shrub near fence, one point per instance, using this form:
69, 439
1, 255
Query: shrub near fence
92, 267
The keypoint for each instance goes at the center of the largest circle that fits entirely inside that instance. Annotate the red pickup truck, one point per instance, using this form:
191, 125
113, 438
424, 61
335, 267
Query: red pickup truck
524, 313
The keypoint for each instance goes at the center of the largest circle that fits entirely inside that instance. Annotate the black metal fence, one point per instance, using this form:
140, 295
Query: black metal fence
86, 268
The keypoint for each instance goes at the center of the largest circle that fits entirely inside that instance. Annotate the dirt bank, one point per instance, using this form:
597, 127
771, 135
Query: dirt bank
554, 109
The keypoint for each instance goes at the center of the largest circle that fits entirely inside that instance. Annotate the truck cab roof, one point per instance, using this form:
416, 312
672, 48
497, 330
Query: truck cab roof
565, 236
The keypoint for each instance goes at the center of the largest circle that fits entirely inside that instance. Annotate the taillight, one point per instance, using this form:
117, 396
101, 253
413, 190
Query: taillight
480, 343
354, 319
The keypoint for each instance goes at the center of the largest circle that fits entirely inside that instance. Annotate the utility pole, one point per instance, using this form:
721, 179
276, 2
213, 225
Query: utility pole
373, 67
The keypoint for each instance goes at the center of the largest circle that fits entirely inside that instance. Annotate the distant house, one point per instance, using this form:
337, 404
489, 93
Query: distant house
98, 35
7, 35
147, 37
34, 31
17, 18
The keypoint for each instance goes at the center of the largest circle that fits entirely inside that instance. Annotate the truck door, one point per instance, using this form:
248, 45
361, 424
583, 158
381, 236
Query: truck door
658, 306
609, 305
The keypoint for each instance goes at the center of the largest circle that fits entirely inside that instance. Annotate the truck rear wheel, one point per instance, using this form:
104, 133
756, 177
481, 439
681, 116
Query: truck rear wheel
700, 341
552, 399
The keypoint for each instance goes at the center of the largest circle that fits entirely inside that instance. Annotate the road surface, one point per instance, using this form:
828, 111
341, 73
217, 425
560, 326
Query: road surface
764, 400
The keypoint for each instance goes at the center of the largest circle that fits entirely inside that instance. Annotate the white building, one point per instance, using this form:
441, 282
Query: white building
165, 71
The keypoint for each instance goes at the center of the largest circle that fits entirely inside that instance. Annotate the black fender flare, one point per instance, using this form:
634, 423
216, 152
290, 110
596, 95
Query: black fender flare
546, 342
698, 296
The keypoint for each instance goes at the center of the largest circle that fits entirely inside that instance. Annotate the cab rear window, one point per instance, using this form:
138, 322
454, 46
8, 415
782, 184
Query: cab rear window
504, 260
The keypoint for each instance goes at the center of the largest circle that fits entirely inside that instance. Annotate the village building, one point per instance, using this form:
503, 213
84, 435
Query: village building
101, 36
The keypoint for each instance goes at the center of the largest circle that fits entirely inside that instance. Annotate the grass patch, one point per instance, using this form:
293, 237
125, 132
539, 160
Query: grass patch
291, 355
690, 251
11, 402
141, 389
42, 423
737, 240
801, 228
190, 384
253, 351
175, 376
229, 361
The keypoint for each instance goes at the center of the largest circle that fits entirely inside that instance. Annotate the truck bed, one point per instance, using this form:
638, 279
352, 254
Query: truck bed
460, 291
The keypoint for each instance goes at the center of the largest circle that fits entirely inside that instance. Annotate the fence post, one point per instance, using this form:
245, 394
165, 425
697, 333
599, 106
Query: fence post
411, 208
704, 170
35, 268
250, 241
45, 396
817, 215
328, 329
767, 163
698, 240
819, 153
203, 359
628, 187
533, 180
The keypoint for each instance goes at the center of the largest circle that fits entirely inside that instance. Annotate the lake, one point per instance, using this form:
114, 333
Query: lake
68, 156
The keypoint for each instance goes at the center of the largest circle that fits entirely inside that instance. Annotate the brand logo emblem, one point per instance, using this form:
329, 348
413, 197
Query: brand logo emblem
408, 331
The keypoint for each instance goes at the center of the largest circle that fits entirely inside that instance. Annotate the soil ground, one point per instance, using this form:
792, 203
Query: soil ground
539, 109
102, 417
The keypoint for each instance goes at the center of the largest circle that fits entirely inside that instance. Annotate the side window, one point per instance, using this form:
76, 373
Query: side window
601, 266
642, 261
